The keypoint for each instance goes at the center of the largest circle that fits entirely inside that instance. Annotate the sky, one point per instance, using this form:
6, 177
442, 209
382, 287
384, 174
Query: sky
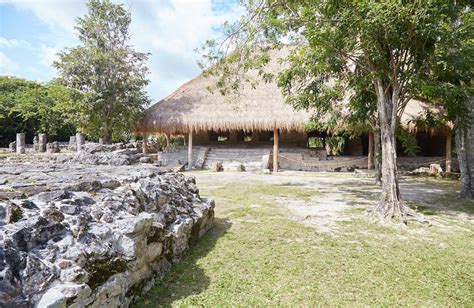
32, 32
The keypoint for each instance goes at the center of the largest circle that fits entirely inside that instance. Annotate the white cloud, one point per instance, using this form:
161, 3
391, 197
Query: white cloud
12, 43
171, 33
169, 29
7, 65
48, 55
56, 13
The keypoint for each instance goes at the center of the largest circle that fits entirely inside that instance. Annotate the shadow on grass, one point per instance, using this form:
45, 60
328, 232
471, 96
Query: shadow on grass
449, 204
425, 196
186, 278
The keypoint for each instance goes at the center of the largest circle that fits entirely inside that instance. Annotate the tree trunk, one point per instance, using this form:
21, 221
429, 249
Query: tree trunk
377, 158
107, 132
107, 136
465, 151
390, 204
462, 147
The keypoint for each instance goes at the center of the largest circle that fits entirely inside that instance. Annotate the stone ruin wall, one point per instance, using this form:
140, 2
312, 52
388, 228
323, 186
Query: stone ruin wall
75, 234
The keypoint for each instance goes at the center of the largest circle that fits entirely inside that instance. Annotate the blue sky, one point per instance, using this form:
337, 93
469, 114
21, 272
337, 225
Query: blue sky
33, 31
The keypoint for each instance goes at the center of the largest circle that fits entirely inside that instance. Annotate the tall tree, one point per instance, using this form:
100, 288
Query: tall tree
450, 85
385, 46
32, 107
107, 70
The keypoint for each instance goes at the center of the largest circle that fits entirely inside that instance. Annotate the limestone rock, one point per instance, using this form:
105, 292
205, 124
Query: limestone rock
145, 160
52, 147
13, 213
435, 169
12, 146
217, 167
98, 236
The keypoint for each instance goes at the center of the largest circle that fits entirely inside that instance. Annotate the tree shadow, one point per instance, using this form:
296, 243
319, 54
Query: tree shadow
186, 277
424, 195
431, 198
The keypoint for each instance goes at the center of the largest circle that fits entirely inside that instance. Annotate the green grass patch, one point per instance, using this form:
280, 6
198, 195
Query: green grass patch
257, 256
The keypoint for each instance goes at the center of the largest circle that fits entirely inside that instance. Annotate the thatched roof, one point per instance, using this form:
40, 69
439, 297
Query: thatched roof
192, 107
416, 111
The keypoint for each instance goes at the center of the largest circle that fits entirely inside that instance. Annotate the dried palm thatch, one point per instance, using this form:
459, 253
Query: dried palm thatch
421, 116
261, 107
192, 107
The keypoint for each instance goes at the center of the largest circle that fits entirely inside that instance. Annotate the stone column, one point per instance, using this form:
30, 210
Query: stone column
36, 144
20, 143
42, 141
80, 141
72, 143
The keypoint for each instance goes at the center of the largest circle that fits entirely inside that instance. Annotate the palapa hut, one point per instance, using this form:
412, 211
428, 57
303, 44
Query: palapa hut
254, 123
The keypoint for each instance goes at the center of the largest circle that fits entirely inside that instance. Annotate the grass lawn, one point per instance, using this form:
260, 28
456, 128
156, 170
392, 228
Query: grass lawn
259, 255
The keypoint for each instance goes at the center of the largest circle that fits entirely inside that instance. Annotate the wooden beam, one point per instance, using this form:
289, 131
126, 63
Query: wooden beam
190, 150
449, 138
370, 156
145, 144
275, 150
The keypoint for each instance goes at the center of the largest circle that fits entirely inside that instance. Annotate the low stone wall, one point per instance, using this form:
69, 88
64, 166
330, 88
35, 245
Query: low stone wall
411, 163
294, 161
177, 155
290, 158
98, 236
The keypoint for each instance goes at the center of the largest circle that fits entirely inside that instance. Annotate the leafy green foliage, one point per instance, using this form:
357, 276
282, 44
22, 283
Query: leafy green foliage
449, 83
108, 71
376, 55
32, 107
343, 49
335, 145
408, 141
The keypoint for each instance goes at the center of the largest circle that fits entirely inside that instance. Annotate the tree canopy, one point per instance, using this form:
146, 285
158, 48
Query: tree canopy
107, 70
379, 53
33, 107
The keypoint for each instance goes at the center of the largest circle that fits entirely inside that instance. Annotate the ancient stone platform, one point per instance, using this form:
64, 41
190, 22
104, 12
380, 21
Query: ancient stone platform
76, 234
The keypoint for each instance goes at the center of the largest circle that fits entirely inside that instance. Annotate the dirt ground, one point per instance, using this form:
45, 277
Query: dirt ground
336, 194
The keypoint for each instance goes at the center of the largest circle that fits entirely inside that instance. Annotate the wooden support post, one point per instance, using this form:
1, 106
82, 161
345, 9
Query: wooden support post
370, 156
449, 138
145, 144
190, 150
275, 150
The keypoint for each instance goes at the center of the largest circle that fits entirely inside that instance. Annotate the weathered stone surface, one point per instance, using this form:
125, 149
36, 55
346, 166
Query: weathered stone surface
72, 143
97, 236
145, 160
43, 143
35, 143
217, 167
80, 141
118, 154
20, 143
435, 169
53, 147
12, 146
